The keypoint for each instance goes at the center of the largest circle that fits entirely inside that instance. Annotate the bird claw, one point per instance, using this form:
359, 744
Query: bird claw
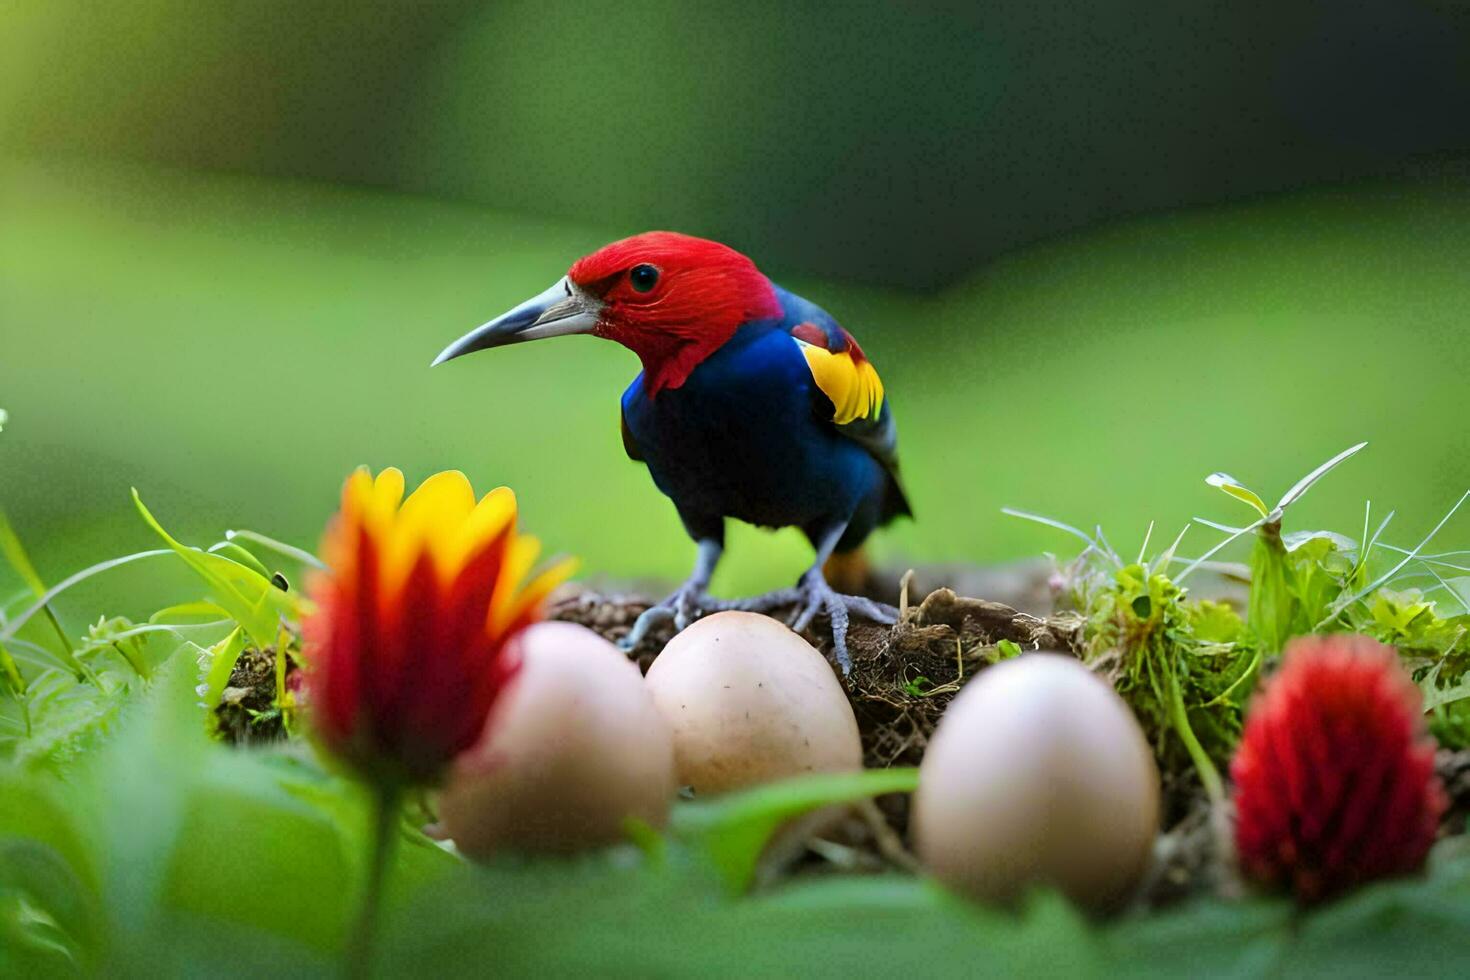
811, 597
814, 596
686, 605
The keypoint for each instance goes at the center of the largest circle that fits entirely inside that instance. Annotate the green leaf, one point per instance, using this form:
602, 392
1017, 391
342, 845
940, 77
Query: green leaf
50, 912
733, 830
219, 662
1323, 540
1459, 587
1206, 938
235, 553
68, 718
596, 916
248, 596
199, 609
15, 554
42, 811
1305, 483
1376, 931
50, 923
1271, 606
917, 686
280, 547
1233, 487
1436, 695
246, 853
193, 832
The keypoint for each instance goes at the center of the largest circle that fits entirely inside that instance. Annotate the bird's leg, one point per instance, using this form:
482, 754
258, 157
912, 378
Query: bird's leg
688, 601
812, 595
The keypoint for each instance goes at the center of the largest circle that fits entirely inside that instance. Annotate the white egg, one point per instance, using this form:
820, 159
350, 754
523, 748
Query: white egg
749, 701
1038, 774
574, 747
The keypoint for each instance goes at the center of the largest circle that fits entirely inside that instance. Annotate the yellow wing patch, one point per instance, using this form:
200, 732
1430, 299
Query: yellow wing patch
851, 383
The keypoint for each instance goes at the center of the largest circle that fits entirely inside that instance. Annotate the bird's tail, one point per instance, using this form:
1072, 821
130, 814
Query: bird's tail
848, 571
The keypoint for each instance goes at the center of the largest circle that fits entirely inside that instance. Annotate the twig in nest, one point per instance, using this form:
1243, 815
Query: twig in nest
888, 842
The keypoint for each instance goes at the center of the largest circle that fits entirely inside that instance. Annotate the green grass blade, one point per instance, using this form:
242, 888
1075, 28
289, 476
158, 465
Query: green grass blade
1342, 603
1059, 525
13, 627
1189, 569
1305, 483
280, 547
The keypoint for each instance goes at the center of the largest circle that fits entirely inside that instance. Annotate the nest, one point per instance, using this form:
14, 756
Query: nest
248, 713
902, 676
1453, 768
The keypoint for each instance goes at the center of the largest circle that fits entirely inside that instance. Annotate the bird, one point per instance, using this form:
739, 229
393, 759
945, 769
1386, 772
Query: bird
752, 403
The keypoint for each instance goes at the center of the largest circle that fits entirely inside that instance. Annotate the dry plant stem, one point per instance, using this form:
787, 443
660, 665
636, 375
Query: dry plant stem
382, 842
889, 844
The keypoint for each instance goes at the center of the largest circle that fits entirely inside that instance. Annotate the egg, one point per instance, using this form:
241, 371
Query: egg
749, 701
573, 748
1038, 774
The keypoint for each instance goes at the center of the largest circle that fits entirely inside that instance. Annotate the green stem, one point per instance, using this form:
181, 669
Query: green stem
83, 672
129, 652
1208, 774
15, 554
16, 684
386, 801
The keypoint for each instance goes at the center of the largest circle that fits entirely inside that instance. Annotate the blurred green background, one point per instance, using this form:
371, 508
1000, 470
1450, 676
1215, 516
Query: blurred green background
1096, 253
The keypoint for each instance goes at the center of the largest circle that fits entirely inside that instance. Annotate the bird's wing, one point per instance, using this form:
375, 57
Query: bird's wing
852, 387
854, 401
630, 445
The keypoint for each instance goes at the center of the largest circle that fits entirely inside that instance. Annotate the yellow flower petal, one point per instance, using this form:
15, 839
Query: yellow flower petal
519, 558
429, 520
442, 518
445, 496
492, 515
388, 490
357, 490
545, 581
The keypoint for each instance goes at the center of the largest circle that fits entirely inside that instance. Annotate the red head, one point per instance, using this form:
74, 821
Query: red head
672, 299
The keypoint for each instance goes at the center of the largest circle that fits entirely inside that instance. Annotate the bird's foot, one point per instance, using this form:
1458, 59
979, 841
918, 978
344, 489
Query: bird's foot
813, 596
688, 603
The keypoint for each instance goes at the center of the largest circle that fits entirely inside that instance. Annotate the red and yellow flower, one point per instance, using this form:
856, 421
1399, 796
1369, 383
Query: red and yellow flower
407, 647
1334, 778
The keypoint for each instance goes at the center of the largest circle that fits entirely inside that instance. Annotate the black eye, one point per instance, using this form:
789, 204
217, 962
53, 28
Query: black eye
643, 277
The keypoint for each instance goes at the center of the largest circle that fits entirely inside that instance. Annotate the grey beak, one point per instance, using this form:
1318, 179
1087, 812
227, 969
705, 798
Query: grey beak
562, 309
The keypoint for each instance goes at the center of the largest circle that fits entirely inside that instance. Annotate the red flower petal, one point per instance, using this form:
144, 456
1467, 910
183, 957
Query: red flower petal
1334, 777
401, 679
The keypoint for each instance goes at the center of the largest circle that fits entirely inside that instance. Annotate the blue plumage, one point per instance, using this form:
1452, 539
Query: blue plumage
746, 436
